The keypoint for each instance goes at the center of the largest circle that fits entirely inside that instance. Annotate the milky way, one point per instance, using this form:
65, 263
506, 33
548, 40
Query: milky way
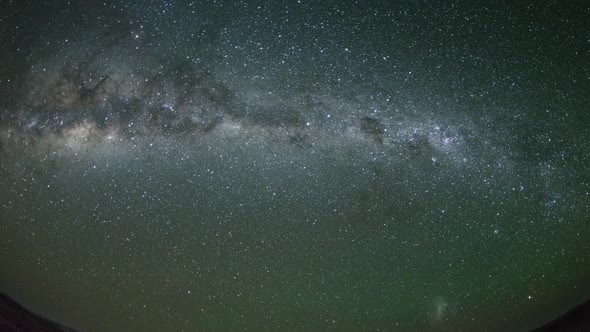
214, 166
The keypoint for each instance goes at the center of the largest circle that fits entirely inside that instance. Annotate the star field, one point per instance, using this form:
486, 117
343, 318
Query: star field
295, 165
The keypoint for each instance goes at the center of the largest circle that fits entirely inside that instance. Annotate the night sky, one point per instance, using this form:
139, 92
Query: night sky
295, 165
